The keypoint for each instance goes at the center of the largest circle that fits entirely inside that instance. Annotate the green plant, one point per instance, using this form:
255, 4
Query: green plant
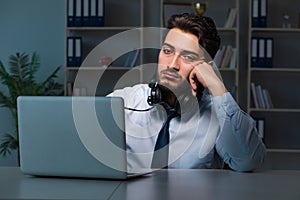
20, 80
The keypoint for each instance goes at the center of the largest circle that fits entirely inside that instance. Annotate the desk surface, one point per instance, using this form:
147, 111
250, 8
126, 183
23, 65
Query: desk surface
164, 184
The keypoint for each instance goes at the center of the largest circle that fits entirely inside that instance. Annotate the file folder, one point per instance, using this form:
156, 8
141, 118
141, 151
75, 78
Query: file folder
78, 13
86, 13
70, 52
254, 52
263, 13
261, 52
77, 51
71, 13
93, 12
269, 52
255, 13
99, 13
74, 51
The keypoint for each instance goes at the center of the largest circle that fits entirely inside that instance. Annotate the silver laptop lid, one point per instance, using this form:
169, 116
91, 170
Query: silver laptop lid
72, 136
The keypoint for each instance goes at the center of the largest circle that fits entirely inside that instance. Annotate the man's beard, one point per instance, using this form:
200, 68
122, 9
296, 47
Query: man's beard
182, 88
179, 88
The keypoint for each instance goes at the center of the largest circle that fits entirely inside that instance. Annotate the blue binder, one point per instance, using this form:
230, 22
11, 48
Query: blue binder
100, 13
261, 52
78, 13
71, 13
255, 13
78, 51
259, 13
86, 12
268, 61
254, 52
70, 52
96, 13
263, 6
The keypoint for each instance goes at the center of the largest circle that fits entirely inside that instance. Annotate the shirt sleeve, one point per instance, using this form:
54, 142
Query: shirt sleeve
134, 97
238, 142
128, 94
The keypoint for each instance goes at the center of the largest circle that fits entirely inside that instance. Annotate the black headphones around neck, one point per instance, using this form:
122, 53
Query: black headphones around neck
155, 96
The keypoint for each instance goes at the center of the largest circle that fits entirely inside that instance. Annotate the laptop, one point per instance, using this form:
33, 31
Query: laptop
73, 137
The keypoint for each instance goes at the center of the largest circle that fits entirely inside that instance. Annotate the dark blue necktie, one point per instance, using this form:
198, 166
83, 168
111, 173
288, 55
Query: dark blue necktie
161, 150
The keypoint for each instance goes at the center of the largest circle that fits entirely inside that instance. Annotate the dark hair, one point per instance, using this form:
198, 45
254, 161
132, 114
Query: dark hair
201, 26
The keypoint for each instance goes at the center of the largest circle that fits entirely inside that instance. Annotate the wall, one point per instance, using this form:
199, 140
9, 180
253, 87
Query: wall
28, 26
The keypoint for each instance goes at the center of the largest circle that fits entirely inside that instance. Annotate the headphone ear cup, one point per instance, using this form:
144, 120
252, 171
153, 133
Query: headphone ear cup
155, 94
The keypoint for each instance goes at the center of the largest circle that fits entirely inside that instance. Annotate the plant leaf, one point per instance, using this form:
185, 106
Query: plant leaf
34, 65
5, 101
9, 143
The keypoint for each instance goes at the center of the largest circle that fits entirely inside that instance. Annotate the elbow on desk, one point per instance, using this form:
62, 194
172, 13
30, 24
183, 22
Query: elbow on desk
248, 164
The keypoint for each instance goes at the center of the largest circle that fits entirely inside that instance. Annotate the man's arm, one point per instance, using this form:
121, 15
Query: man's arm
238, 143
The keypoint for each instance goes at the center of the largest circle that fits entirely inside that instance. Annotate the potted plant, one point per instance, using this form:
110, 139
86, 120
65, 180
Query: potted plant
19, 80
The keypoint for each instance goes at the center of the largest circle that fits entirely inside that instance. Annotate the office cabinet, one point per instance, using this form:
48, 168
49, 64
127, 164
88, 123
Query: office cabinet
275, 68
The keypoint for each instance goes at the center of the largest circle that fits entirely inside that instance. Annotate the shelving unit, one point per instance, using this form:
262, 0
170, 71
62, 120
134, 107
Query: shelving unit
132, 13
119, 16
219, 11
281, 135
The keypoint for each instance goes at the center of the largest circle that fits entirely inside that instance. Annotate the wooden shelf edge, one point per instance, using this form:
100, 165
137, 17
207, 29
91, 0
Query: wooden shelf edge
99, 68
275, 29
273, 110
273, 69
283, 150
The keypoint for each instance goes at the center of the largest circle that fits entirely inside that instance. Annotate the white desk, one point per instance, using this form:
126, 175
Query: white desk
165, 184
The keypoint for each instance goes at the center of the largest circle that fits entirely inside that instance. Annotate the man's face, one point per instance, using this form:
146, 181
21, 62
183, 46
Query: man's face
177, 58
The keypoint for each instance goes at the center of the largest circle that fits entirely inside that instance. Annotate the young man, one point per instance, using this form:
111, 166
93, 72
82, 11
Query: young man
208, 127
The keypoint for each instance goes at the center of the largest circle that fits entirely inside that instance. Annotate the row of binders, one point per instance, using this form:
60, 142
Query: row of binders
85, 13
226, 57
259, 13
74, 51
261, 52
261, 97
